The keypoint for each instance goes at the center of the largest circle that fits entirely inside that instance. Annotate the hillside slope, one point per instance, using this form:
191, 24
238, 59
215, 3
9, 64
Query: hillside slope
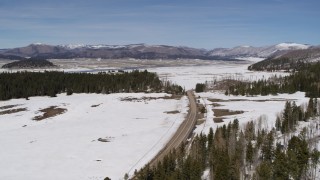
291, 60
30, 63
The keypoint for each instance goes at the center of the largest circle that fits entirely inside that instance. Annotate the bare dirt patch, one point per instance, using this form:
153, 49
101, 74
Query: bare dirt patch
274, 99
200, 121
225, 112
173, 96
9, 106
96, 105
172, 112
106, 139
11, 111
217, 100
216, 105
177, 97
218, 120
50, 112
229, 100
246, 100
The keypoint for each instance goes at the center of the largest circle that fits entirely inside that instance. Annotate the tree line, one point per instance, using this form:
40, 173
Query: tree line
29, 63
282, 63
26, 84
307, 79
291, 60
251, 152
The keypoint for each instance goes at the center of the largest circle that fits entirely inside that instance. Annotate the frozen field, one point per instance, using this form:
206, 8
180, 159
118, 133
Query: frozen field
186, 73
66, 146
189, 76
265, 108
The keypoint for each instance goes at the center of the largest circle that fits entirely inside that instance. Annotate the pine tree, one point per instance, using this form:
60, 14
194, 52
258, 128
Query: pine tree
264, 171
249, 154
280, 166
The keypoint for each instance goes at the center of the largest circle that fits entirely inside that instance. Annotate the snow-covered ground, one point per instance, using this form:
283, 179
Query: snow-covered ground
66, 146
265, 108
186, 73
189, 76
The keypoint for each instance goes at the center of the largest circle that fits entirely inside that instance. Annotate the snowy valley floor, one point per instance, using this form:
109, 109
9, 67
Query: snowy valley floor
66, 146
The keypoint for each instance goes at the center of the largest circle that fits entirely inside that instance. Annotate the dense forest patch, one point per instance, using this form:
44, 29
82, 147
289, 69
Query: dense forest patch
26, 84
30, 63
307, 79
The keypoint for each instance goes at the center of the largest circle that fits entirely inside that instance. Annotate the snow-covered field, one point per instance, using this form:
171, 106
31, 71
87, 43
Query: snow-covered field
189, 76
265, 108
66, 146
186, 73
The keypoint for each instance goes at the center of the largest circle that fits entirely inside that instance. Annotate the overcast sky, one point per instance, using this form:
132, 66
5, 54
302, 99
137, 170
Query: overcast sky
195, 23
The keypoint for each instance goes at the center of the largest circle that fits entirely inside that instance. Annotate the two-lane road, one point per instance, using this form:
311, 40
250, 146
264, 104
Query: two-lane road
183, 131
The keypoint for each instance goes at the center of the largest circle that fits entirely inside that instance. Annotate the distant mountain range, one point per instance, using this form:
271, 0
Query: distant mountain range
143, 51
262, 52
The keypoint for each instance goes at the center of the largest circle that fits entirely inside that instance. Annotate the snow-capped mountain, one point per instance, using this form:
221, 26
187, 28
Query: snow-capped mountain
98, 46
263, 52
143, 51
291, 46
138, 51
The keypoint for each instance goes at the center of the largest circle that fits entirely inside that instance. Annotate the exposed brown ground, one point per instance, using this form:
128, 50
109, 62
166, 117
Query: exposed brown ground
216, 105
11, 111
200, 121
50, 112
225, 112
151, 98
95, 105
223, 100
220, 113
218, 119
172, 112
261, 100
8, 106
103, 140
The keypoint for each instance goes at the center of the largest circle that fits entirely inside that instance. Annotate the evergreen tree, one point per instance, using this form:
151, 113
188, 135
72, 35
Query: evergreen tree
249, 154
280, 166
264, 171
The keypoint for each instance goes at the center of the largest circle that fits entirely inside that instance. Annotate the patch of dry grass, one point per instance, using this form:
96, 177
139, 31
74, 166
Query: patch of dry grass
95, 105
50, 112
218, 120
177, 97
216, 105
8, 106
225, 112
172, 112
11, 111
200, 121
